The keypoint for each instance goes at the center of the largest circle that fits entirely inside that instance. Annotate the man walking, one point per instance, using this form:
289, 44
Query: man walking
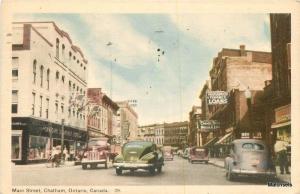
280, 149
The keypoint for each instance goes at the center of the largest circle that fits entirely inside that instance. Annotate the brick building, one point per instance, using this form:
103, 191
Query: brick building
278, 90
239, 72
175, 134
194, 117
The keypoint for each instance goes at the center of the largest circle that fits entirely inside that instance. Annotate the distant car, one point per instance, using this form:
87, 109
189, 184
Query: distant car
249, 157
139, 155
186, 153
198, 154
168, 154
97, 152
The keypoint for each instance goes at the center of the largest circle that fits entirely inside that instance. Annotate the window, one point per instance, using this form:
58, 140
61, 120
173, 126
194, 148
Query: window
56, 108
69, 111
14, 107
57, 48
70, 55
42, 75
33, 102
41, 106
62, 109
15, 74
34, 71
63, 50
15, 61
63, 79
57, 75
16, 143
47, 108
70, 85
48, 79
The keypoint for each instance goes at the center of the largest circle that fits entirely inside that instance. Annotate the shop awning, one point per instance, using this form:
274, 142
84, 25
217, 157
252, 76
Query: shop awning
210, 142
225, 139
277, 125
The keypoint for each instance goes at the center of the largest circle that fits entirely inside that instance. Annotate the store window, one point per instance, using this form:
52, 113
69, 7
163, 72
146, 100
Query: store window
16, 143
37, 147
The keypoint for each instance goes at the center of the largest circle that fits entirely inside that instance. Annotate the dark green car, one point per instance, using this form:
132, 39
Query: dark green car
139, 155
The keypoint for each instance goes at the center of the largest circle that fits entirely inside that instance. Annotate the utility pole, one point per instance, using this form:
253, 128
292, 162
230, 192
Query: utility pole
62, 135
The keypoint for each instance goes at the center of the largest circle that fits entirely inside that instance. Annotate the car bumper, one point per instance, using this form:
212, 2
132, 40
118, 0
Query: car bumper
85, 161
132, 165
199, 159
253, 172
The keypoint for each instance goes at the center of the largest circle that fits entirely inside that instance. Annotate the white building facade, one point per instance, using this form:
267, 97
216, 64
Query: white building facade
47, 70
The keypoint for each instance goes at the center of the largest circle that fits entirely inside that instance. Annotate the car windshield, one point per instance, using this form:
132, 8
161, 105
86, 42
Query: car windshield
97, 143
252, 146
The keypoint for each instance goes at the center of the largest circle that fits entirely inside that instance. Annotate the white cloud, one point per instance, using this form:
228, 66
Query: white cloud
128, 46
219, 31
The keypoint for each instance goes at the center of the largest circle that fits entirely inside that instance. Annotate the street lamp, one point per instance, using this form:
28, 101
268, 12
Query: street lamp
248, 96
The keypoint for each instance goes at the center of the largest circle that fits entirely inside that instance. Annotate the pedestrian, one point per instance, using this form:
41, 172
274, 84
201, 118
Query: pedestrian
280, 149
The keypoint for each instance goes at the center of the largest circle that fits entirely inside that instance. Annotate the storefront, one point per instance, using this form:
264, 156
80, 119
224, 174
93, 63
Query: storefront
32, 139
282, 125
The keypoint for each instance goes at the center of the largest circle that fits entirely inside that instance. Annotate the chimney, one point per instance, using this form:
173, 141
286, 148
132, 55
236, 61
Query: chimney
242, 50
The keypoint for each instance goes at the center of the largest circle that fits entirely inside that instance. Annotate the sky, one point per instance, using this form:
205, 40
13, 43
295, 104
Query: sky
129, 68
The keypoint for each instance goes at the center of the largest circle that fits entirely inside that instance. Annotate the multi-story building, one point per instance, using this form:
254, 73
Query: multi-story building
204, 136
242, 73
277, 97
175, 134
153, 133
47, 69
194, 116
128, 121
101, 114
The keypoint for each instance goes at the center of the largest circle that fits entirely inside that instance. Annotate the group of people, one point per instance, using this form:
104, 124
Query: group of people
281, 151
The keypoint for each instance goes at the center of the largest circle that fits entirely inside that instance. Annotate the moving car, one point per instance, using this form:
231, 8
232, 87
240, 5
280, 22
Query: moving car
249, 157
97, 152
168, 153
198, 154
139, 155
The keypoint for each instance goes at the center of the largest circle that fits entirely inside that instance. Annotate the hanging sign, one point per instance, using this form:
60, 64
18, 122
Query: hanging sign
217, 97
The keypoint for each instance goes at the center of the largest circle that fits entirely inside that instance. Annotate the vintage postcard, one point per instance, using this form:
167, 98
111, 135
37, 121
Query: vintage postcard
149, 97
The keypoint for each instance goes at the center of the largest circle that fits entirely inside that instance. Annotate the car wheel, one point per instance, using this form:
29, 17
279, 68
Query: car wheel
106, 163
206, 162
152, 170
93, 166
119, 171
84, 166
192, 162
159, 169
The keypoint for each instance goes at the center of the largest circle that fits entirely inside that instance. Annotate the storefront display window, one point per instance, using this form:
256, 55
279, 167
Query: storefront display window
16, 147
37, 147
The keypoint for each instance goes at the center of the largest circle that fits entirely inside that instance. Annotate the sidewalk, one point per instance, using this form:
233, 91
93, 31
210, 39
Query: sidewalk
219, 162
66, 164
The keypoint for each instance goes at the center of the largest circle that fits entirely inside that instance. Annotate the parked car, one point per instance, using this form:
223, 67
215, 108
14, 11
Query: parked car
168, 153
198, 154
186, 153
139, 155
249, 157
97, 152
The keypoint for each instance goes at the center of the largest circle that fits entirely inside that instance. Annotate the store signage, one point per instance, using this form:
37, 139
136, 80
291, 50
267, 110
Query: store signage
94, 95
283, 114
217, 97
209, 125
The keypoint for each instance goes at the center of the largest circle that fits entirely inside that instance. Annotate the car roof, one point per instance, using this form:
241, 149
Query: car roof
144, 143
241, 141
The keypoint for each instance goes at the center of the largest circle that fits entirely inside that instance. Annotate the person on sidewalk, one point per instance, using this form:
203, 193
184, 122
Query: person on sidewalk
280, 149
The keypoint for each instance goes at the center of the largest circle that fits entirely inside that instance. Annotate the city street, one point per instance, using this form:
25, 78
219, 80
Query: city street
176, 172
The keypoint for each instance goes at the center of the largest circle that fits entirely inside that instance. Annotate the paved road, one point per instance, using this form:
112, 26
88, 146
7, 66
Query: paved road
176, 172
